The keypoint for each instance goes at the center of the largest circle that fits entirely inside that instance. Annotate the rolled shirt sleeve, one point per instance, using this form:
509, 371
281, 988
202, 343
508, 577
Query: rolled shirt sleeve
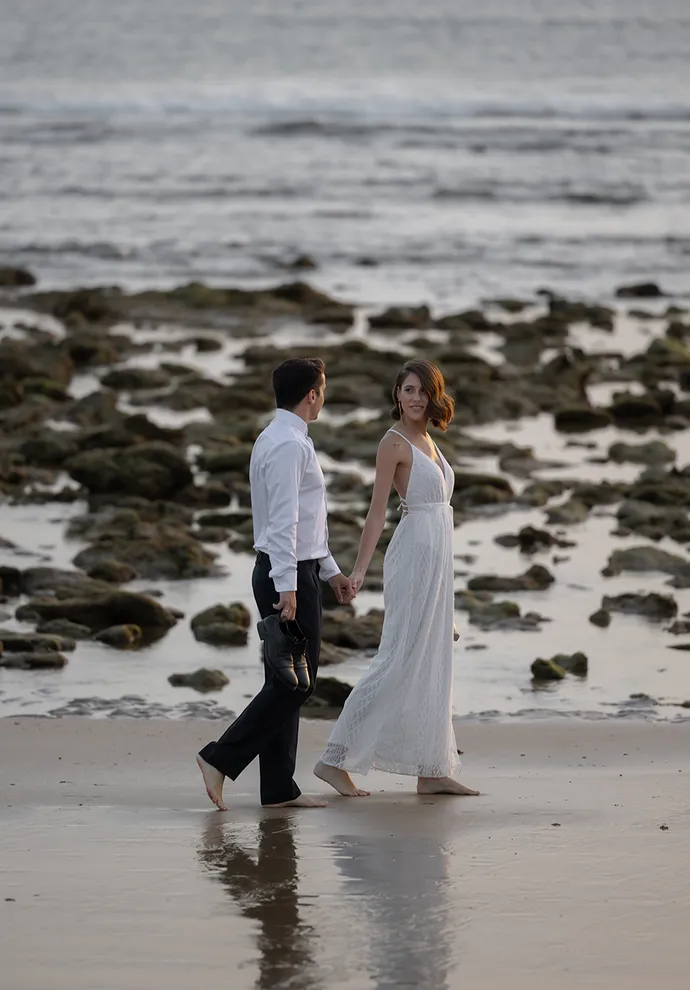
284, 468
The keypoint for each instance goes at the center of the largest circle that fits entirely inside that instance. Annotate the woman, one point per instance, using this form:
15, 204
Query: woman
399, 716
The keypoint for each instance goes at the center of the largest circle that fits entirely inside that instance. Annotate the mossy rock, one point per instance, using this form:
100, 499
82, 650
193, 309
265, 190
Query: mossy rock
64, 629
581, 419
112, 571
571, 513
16, 642
547, 670
223, 625
14, 278
402, 318
668, 352
232, 459
342, 628
49, 448
573, 663
639, 290
47, 387
539, 493
125, 637
85, 306
537, 578
645, 558
153, 470
601, 618
202, 680
33, 661
328, 697
237, 614
653, 605
642, 410
101, 611
10, 581
152, 552
134, 379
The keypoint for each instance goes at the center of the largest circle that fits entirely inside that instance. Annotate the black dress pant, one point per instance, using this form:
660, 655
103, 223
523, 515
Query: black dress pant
269, 725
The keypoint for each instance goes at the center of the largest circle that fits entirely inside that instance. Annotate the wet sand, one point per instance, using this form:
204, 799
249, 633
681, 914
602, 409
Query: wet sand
117, 873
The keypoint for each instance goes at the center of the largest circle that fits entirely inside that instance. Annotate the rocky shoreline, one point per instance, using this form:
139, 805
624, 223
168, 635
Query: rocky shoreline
85, 384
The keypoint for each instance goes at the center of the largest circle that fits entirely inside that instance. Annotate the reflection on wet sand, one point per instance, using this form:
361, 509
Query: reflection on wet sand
401, 886
265, 888
393, 919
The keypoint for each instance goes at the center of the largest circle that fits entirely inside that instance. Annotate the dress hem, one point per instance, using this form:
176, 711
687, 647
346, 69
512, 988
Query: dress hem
396, 768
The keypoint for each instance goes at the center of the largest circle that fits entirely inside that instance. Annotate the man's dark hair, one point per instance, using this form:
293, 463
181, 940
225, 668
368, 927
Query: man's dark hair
294, 378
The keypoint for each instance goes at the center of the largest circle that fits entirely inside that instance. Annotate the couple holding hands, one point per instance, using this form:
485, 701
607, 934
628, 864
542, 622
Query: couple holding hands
398, 718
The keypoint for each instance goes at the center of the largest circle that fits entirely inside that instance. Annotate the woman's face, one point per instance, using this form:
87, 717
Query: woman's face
413, 399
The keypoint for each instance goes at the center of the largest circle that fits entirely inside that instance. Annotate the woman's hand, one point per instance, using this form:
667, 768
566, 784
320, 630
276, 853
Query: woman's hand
356, 580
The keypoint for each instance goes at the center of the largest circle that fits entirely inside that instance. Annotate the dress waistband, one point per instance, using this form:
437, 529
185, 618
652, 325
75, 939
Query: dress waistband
423, 506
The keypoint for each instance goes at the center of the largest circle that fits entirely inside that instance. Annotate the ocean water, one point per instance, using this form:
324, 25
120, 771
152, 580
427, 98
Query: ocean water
442, 151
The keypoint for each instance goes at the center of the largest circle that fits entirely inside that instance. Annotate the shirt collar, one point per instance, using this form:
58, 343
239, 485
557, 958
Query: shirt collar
289, 418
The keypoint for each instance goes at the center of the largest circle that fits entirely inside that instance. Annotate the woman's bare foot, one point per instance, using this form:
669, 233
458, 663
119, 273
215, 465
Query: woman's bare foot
340, 780
303, 801
443, 785
213, 779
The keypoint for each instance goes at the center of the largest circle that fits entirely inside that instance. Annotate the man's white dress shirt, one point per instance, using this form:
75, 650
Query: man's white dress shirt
289, 501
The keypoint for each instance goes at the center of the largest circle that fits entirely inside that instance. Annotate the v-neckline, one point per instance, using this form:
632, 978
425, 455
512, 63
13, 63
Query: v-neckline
439, 464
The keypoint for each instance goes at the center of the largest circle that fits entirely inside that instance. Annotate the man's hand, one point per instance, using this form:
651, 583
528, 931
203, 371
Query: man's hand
287, 605
343, 589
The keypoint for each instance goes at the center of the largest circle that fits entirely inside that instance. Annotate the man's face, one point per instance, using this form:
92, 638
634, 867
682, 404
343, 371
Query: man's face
316, 407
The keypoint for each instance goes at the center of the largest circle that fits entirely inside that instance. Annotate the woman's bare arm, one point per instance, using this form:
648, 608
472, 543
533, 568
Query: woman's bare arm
390, 454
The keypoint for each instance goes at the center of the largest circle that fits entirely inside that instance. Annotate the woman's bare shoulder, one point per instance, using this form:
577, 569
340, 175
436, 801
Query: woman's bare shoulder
393, 445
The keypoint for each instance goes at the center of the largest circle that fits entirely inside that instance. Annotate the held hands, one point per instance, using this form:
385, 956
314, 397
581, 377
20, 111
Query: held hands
356, 580
287, 605
342, 588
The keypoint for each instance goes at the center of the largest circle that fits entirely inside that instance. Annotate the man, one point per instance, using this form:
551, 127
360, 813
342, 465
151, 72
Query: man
291, 539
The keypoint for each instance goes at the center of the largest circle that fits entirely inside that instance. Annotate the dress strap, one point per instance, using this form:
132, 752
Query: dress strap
398, 433
438, 460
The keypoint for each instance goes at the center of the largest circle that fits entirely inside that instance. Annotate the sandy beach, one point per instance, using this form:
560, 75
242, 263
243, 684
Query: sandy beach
568, 870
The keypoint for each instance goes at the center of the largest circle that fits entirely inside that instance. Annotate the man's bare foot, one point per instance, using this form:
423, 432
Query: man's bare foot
340, 780
303, 801
443, 785
213, 779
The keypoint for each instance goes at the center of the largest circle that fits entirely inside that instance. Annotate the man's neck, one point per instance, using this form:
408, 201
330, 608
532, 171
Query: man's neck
294, 414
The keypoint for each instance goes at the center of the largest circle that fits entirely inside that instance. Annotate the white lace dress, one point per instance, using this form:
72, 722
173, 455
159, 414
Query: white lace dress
399, 716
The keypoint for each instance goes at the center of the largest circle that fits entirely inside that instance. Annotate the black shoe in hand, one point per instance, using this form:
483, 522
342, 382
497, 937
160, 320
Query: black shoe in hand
285, 651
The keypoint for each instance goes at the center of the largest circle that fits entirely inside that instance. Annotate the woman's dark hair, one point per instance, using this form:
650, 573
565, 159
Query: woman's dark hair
441, 407
294, 378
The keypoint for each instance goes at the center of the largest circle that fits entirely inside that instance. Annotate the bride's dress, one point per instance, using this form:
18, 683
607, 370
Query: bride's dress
399, 716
